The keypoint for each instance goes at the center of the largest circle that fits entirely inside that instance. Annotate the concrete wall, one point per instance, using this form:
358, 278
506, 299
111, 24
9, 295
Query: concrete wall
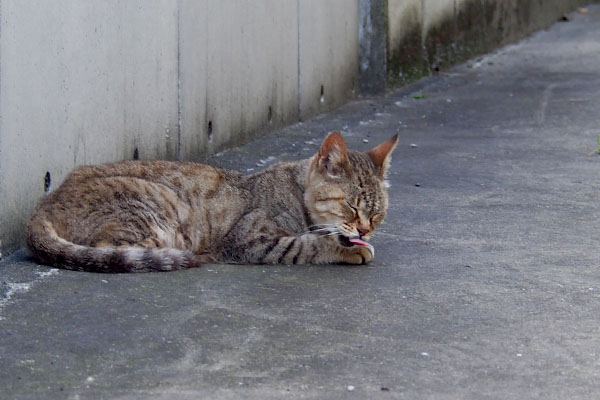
84, 82
238, 70
328, 54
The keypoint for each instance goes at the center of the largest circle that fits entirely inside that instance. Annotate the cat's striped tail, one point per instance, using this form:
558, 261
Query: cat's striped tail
51, 249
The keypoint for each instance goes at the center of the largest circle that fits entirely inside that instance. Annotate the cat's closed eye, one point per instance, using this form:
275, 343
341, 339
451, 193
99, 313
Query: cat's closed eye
353, 209
376, 219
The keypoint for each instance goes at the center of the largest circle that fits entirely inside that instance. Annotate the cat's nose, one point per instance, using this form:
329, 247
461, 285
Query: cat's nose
362, 231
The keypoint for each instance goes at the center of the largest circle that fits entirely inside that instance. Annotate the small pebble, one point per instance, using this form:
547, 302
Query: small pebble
365, 140
413, 145
351, 388
417, 184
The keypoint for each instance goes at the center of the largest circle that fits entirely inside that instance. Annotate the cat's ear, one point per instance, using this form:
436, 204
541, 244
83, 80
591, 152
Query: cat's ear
382, 155
333, 156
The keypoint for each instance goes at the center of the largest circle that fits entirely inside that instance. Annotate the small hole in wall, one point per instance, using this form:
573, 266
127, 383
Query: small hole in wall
47, 182
270, 115
136, 154
210, 130
322, 94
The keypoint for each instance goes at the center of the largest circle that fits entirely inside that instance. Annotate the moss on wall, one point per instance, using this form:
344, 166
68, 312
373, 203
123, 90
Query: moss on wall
475, 27
406, 61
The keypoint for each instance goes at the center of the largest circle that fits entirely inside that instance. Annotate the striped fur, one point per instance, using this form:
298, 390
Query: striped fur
159, 216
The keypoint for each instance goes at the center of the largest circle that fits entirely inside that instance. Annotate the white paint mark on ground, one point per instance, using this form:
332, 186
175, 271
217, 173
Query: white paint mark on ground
266, 161
45, 274
14, 288
540, 115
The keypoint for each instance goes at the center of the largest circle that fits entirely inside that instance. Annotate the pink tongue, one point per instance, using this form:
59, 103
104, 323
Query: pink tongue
358, 242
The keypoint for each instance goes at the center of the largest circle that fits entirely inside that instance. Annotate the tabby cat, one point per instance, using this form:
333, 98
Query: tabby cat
158, 216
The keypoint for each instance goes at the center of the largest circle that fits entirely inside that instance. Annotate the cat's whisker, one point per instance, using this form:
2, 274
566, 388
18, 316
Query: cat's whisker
333, 233
322, 229
323, 226
325, 231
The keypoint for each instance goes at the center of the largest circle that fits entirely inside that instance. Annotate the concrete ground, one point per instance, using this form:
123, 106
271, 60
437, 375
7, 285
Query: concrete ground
486, 282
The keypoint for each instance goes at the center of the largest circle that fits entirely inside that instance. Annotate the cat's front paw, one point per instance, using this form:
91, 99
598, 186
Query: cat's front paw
359, 254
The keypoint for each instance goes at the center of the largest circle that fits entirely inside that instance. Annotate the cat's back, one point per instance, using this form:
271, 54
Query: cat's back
175, 173
88, 186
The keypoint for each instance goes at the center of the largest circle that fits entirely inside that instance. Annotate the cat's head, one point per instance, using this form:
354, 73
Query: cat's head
345, 191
